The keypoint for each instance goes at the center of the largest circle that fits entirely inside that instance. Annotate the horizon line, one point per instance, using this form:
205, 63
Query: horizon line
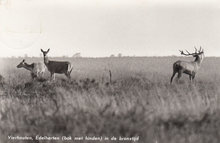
17, 57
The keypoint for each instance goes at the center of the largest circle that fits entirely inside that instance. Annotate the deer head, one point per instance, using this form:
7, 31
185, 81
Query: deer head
45, 52
21, 64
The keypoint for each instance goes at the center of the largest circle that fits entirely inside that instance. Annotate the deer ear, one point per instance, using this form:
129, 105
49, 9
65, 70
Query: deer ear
41, 50
23, 60
48, 50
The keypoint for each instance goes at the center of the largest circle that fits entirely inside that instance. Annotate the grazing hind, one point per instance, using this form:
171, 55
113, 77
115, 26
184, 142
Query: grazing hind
186, 67
36, 69
60, 67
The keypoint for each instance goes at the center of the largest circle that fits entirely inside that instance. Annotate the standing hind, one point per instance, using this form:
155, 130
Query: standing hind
60, 67
36, 69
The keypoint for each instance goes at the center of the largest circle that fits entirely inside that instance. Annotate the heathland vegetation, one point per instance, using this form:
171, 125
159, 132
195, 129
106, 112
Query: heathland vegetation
137, 102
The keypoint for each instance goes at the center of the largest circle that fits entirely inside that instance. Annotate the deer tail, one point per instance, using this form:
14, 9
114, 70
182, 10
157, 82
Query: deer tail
70, 68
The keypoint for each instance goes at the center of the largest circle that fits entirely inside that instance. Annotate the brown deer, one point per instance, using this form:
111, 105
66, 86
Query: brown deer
60, 67
187, 67
36, 69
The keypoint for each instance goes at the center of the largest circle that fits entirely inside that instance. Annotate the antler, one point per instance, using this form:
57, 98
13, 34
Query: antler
192, 54
195, 49
200, 49
188, 53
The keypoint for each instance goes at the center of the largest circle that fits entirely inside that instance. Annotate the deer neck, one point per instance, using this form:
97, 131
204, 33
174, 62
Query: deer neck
46, 61
28, 67
199, 60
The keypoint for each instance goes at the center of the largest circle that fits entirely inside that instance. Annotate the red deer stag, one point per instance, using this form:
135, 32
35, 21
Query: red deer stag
60, 67
186, 67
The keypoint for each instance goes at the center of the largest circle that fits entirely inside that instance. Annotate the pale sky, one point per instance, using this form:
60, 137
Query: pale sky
99, 28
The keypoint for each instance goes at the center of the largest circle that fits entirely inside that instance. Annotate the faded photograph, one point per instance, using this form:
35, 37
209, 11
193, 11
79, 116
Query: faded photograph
109, 71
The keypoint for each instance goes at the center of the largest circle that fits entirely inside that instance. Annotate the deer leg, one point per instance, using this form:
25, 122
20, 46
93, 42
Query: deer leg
32, 76
52, 76
68, 74
190, 77
193, 75
179, 75
174, 73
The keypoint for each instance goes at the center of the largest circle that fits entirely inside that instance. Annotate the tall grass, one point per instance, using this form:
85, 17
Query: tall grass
140, 102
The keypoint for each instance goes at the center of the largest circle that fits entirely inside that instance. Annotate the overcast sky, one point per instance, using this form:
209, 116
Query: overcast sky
98, 28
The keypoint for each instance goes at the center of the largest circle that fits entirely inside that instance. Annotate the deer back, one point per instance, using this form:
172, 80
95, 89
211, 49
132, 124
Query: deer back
58, 66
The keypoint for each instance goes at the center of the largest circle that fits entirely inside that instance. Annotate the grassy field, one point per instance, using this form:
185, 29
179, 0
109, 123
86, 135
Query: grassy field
138, 103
